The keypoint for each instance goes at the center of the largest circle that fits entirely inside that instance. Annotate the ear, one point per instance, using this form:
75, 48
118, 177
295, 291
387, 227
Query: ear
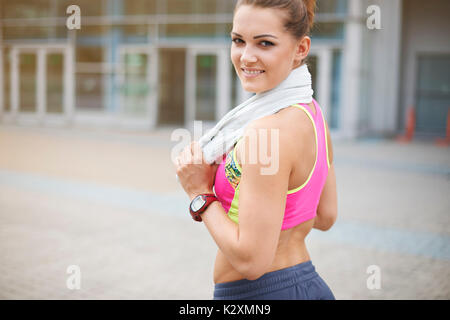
302, 49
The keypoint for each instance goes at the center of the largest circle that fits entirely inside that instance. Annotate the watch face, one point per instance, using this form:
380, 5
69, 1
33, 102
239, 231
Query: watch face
198, 203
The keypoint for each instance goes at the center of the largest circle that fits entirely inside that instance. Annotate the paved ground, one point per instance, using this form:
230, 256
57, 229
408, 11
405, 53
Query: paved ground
108, 203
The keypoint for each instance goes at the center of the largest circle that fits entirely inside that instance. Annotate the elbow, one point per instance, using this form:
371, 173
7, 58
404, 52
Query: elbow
254, 268
253, 272
331, 221
325, 227
325, 221
255, 260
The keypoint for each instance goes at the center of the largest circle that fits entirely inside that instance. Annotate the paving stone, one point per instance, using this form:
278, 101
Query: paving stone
78, 197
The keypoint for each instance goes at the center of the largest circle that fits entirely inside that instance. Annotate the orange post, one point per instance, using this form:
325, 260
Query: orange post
445, 142
410, 126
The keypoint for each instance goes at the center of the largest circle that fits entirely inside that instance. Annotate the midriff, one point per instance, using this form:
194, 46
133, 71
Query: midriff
291, 251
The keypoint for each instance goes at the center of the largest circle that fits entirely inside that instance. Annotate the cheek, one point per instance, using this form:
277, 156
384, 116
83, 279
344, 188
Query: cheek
274, 64
235, 56
279, 63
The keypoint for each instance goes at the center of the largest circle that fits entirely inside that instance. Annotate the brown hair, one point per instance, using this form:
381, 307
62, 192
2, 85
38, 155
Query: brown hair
300, 13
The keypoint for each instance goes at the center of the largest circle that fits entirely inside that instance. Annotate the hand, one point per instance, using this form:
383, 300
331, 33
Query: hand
194, 174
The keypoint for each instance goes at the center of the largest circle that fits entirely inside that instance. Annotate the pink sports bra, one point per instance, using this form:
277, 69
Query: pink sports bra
301, 202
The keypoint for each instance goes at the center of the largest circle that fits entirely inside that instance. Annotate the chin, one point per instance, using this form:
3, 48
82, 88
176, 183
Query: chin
252, 88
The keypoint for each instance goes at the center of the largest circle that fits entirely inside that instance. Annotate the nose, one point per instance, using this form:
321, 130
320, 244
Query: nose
248, 56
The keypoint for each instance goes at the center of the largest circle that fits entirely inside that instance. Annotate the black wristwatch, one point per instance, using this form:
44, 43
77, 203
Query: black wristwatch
200, 203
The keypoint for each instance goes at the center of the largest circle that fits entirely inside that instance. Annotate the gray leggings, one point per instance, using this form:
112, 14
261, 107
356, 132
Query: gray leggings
299, 282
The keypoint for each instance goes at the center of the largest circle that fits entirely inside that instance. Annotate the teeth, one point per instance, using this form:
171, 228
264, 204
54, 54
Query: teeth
253, 72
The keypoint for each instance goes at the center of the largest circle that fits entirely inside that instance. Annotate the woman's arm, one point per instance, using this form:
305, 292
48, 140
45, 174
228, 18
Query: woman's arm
327, 209
251, 246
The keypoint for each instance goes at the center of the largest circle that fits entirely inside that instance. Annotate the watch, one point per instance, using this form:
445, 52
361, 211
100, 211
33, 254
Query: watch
200, 203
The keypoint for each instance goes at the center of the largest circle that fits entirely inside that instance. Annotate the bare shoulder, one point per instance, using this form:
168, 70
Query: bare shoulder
301, 126
272, 127
278, 133
297, 126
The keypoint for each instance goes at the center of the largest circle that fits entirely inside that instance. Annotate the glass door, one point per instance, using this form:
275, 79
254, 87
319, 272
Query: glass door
27, 72
38, 82
55, 82
208, 85
433, 94
135, 88
171, 86
137, 83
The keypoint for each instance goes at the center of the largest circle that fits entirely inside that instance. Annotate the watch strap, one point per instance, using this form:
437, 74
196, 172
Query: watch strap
209, 198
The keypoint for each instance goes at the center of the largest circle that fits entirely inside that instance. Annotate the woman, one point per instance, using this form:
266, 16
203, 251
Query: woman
260, 221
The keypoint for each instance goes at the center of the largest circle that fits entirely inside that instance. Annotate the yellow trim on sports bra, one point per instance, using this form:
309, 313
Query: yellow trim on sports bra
233, 212
317, 150
326, 141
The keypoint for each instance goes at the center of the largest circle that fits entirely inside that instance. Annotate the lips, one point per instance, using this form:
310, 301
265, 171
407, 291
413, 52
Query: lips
251, 72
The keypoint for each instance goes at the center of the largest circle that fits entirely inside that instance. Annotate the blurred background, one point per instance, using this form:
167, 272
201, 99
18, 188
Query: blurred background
86, 117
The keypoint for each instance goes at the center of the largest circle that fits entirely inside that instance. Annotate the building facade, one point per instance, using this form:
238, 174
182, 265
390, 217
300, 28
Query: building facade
145, 64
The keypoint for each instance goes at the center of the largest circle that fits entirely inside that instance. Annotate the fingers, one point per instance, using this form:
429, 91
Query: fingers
192, 153
197, 153
186, 156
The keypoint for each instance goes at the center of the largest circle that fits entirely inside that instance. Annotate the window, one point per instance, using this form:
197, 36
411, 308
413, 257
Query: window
88, 7
331, 6
90, 78
140, 7
190, 6
328, 30
26, 9
196, 30
55, 81
27, 83
433, 94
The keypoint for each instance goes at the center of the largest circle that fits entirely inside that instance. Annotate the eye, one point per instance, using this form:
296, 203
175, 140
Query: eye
267, 43
237, 41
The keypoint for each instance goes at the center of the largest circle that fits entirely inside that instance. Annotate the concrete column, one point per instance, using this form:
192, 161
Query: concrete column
14, 94
69, 81
385, 65
324, 79
223, 84
41, 81
152, 76
189, 106
348, 124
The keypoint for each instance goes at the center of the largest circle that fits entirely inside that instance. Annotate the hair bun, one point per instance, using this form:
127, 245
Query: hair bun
301, 13
311, 7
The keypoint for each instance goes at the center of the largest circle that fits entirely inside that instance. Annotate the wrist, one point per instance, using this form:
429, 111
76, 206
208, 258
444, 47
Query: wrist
195, 194
200, 203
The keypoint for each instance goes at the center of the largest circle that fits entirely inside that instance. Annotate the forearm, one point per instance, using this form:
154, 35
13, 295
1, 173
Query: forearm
226, 235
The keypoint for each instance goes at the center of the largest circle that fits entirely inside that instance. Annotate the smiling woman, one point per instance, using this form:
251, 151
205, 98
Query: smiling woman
264, 54
260, 221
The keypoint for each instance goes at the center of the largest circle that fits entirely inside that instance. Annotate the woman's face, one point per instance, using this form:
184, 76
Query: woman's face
263, 52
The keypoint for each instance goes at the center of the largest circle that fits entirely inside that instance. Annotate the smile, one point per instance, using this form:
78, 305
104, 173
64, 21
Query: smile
252, 73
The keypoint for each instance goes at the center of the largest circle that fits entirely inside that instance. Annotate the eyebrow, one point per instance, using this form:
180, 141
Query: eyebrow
256, 37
